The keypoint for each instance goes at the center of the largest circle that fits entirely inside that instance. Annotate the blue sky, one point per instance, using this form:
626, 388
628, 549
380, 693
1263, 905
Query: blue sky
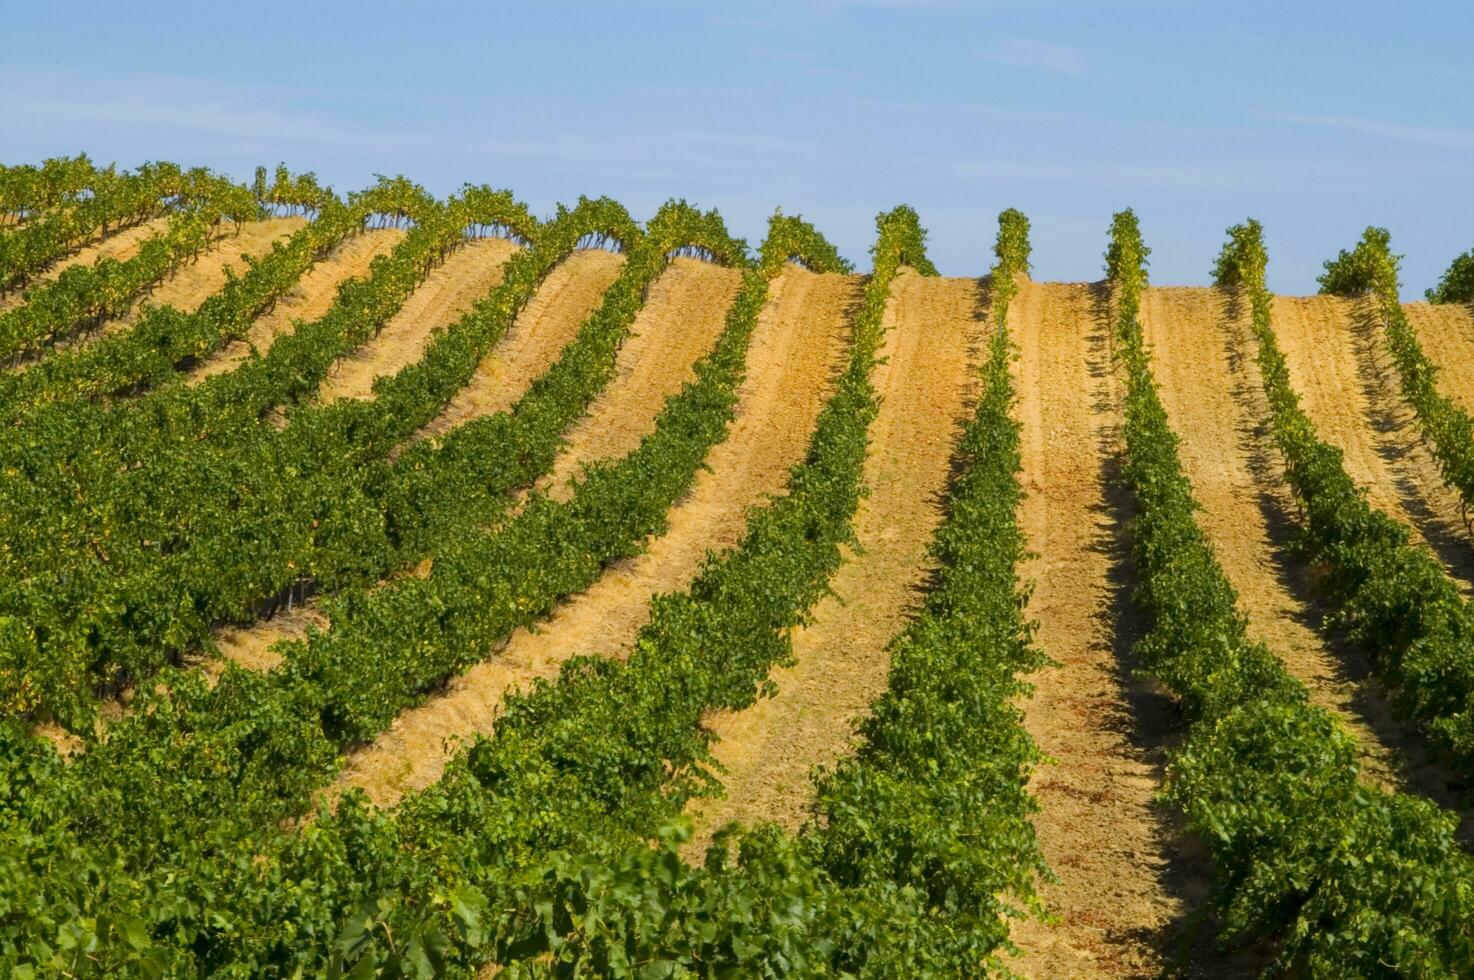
1316, 117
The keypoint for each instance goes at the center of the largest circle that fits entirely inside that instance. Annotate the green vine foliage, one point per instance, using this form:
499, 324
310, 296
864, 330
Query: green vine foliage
1349, 881
535, 849
255, 746
1012, 247
927, 826
624, 747
83, 296
232, 520
1363, 269
113, 201
82, 464
1126, 255
288, 191
177, 846
1457, 284
607, 755
1394, 597
27, 190
923, 840
163, 340
1446, 427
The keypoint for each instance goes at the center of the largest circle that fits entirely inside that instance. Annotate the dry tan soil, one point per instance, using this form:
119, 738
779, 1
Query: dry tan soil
1204, 361
446, 295
310, 299
794, 350
925, 379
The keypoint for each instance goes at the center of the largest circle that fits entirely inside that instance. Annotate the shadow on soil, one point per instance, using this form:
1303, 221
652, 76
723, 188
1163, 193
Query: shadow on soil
1418, 764
1153, 726
1399, 444
958, 462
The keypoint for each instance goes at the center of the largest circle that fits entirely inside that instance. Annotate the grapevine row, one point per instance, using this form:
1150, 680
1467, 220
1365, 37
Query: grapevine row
636, 491
601, 760
922, 840
115, 200
288, 192
1447, 428
919, 838
163, 339
84, 296
27, 190
230, 521
1395, 597
1457, 284
1349, 880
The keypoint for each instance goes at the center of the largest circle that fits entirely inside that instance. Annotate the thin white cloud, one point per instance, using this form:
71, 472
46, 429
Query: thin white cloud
164, 103
1111, 174
1403, 132
195, 119
1078, 120
1020, 52
1103, 174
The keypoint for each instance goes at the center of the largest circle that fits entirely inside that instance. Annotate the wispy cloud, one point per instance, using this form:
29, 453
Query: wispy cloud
1080, 122
168, 104
1101, 173
1234, 175
194, 119
1444, 136
1020, 52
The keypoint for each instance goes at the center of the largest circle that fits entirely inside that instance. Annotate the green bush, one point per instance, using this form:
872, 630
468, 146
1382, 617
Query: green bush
1457, 284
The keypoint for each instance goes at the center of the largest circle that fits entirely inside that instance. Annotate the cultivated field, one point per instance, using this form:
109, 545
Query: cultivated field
414, 587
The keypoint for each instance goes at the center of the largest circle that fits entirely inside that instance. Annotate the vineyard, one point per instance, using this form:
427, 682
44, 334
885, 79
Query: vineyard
414, 587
